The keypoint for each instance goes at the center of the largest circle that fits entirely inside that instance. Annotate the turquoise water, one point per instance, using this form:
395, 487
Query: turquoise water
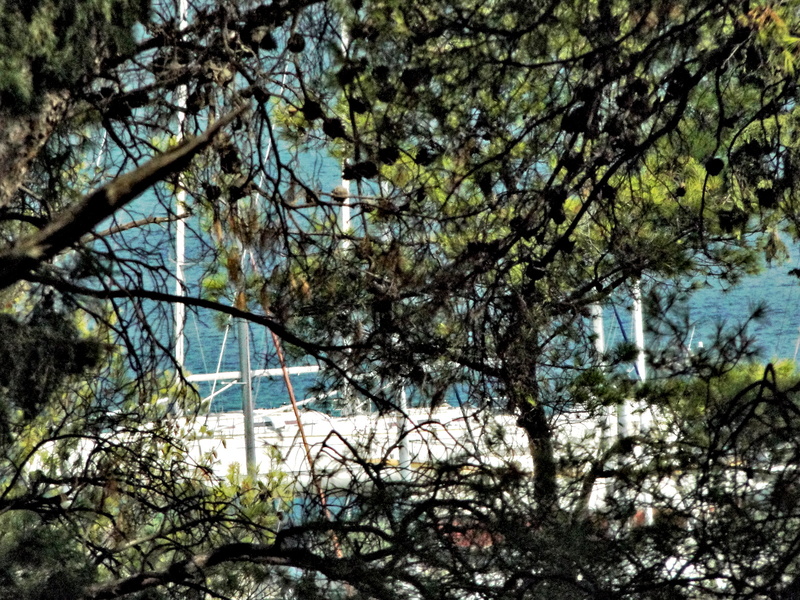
776, 335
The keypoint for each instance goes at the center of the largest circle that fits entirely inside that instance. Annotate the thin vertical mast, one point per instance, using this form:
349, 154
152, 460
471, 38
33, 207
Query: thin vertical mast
344, 209
645, 419
596, 312
243, 337
180, 225
638, 329
638, 335
607, 431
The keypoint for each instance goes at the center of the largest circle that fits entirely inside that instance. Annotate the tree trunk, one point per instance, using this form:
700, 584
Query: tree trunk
533, 420
22, 138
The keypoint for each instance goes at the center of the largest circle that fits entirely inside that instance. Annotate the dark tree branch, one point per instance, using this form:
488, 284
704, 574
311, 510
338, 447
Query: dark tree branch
353, 572
133, 225
70, 225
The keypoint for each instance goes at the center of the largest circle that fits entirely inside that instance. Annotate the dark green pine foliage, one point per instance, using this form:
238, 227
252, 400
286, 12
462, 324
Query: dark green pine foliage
37, 355
39, 561
54, 44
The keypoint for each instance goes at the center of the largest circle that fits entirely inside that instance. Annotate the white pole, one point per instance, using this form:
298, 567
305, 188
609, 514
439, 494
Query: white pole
404, 459
247, 396
596, 312
344, 209
607, 430
638, 329
180, 226
644, 409
180, 282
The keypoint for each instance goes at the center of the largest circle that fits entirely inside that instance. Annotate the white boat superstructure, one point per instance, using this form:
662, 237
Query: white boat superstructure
340, 446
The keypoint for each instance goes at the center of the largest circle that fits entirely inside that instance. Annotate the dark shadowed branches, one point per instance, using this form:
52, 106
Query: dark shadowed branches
507, 165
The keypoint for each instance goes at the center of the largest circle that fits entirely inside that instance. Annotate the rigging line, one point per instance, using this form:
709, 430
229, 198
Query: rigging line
624, 336
221, 355
102, 151
611, 339
311, 470
619, 322
200, 343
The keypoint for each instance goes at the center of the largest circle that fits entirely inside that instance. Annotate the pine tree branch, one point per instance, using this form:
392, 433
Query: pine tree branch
70, 225
356, 573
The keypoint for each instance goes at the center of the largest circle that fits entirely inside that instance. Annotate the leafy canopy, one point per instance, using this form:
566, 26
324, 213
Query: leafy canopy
506, 167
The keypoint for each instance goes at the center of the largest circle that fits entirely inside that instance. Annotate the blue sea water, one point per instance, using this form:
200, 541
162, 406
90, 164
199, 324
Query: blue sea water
777, 334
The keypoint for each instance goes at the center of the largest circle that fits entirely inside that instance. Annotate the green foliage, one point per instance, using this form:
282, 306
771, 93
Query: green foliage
52, 45
40, 560
726, 392
510, 165
39, 354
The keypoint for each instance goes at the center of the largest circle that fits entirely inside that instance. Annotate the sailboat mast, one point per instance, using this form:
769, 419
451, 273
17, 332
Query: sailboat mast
598, 330
645, 420
344, 209
243, 337
596, 312
180, 283
180, 225
638, 329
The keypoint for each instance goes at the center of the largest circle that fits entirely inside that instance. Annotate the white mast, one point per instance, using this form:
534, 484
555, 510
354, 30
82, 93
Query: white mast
597, 328
243, 337
180, 282
638, 329
645, 419
344, 197
344, 209
638, 334
180, 225
596, 315
404, 458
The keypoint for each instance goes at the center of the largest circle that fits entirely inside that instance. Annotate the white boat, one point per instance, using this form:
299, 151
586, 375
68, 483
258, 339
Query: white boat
342, 447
